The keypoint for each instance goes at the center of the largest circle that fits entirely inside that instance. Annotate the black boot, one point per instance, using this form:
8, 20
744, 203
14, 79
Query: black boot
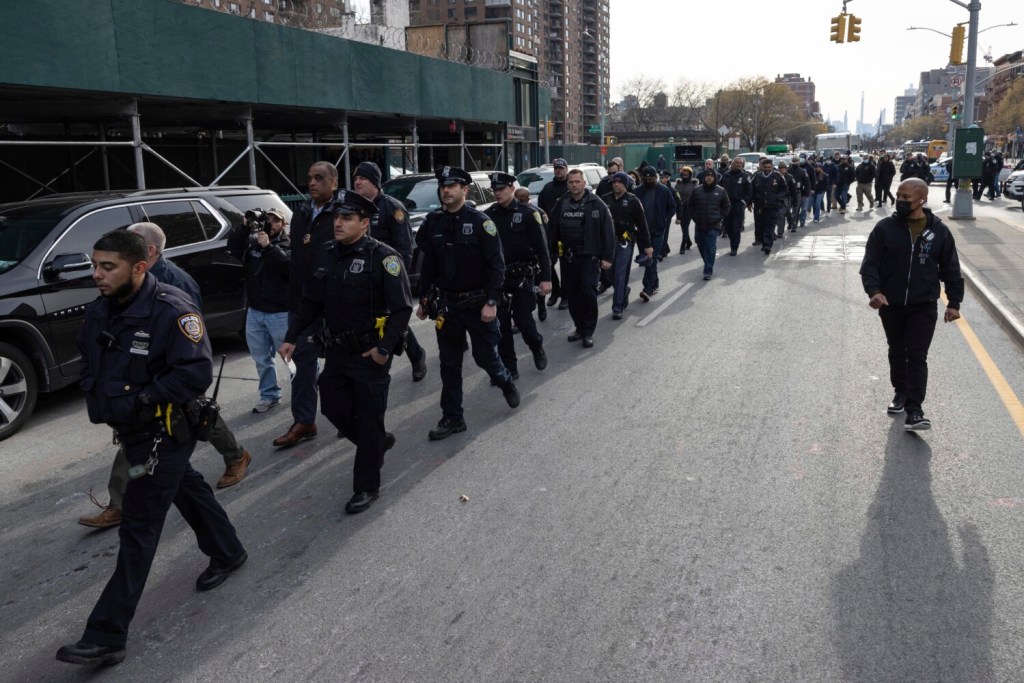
446, 427
540, 359
84, 652
511, 394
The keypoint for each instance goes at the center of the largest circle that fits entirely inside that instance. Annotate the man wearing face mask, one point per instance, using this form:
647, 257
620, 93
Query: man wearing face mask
767, 187
684, 188
736, 183
708, 205
906, 257
659, 207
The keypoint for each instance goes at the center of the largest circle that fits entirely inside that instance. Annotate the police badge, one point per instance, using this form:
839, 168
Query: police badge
517, 218
467, 228
357, 266
191, 325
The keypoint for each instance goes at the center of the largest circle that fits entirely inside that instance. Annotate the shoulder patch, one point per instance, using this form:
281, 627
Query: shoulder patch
536, 217
490, 228
191, 325
393, 265
398, 215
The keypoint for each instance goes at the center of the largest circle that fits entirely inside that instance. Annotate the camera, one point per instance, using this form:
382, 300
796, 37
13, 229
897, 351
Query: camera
257, 220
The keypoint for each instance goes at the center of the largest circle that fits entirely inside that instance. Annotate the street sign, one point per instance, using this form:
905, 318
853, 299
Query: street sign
956, 81
723, 130
594, 129
604, 150
968, 147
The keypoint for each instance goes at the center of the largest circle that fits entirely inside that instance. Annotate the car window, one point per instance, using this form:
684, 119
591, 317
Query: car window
211, 226
535, 181
23, 228
178, 220
593, 176
84, 233
488, 193
418, 194
475, 195
250, 202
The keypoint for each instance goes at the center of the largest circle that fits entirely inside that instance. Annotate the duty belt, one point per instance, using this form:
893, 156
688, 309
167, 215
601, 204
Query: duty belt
521, 270
350, 342
463, 299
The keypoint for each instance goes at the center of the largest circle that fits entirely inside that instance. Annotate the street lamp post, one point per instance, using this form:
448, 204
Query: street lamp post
963, 202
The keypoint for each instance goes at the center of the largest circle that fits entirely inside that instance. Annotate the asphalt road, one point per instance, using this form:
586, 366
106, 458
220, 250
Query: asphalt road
714, 492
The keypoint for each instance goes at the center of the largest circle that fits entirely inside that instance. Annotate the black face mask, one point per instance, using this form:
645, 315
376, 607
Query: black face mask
904, 208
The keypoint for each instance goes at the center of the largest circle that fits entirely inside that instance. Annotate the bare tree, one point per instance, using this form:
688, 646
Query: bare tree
765, 110
638, 95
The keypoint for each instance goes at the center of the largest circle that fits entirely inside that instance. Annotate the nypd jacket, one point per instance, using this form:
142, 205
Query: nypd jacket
461, 253
768, 191
908, 271
352, 285
598, 232
628, 218
659, 206
737, 184
155, 345
391, 226
523, 238
309, 235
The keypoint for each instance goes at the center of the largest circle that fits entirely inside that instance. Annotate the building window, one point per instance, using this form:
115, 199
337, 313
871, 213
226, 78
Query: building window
268, 2
335, 12
470, 12
234, 8
269, 16
283, 4
319, 8
451, 14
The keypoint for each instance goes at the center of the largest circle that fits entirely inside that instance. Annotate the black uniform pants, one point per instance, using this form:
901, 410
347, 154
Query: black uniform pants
737, 212
354, 397
146, 503
451, 346
764, 225
520, 310
579, 286
909, 331
412, 346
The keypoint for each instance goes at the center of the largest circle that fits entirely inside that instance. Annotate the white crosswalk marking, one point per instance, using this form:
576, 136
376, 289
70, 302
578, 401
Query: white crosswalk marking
835, 248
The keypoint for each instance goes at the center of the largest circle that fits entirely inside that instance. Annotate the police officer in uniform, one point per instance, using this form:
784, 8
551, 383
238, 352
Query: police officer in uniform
390, 225
145, 360
630, 228
461, 279
524, 246
361, 289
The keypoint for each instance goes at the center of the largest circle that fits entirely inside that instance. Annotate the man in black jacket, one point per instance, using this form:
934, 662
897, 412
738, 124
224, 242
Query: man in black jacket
708, 206
736, 183
798, 215
312, 229
550, 194
582, 235
264, 250
767, 187
865, 174
901, 276
630, 225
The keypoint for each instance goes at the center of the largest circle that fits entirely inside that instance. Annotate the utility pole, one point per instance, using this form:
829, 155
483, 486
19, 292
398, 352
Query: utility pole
963, 203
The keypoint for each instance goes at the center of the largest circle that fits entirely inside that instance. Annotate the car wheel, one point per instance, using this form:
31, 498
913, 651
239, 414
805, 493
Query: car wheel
18, 390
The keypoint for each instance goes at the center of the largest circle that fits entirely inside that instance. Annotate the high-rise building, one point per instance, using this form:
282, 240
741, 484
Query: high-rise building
309, 14
938, 82
803, 88
904, 105
524, 18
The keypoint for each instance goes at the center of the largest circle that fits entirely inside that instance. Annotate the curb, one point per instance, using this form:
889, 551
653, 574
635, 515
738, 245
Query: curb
1006, 320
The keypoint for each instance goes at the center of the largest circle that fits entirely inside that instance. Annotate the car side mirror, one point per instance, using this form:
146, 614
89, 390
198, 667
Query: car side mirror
68, 263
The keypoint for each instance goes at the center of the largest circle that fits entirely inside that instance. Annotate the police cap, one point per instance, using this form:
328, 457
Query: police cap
665, 174
499, 179
450, 175
347, 201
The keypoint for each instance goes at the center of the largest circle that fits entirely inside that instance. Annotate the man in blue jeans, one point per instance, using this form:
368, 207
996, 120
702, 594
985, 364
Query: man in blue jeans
263, 247
630, 227
660, 208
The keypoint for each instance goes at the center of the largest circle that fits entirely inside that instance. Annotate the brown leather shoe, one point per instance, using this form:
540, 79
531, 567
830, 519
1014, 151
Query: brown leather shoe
107, 518
235, 472
296, 433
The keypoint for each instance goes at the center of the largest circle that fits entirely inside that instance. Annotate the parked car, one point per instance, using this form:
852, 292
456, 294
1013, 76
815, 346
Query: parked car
1008, 170
534, 179
46, 274
418, 192
939, 172
1013, 188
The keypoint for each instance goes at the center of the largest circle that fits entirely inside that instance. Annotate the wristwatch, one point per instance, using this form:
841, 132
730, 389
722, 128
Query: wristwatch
490, 302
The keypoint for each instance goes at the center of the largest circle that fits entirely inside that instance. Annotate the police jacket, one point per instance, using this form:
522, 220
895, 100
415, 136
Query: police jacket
156, 353
598, 236
736, 183
659, 206
551, 193
886, 172
628, 218
461, 253
353, 285
266, 269
523, 238
865, 172
847, 174
910, 169
908, 271
168, 272
802, 180
767, 191
709, 206
308, 236
390, 225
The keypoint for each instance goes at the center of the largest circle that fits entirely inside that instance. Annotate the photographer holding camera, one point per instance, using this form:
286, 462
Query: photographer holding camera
263, 247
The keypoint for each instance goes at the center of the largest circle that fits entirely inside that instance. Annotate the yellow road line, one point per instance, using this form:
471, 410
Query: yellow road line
999, 383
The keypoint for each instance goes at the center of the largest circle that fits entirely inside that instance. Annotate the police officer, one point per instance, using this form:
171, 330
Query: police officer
390, 225
524, 246
461, 279
736, 183
581, 230
312, 227
145, 359
630, 226
522, 196
549, 194
361, 289
767, 186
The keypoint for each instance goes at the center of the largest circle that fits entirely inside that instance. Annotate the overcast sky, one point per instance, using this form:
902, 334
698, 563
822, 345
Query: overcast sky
664, 38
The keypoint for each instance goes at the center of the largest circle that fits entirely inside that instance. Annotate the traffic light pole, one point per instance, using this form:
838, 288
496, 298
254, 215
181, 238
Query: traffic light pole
963, 203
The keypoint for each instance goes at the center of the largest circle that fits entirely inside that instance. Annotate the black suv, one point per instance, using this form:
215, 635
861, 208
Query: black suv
46, 275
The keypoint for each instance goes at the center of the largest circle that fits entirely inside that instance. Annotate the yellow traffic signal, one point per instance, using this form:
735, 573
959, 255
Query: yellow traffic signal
854, 29
838, 29
956, 47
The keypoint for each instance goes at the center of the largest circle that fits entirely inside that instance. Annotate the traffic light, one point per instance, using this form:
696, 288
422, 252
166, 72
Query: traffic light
838, 29
609, 139
853, 24
956, 47
955, 114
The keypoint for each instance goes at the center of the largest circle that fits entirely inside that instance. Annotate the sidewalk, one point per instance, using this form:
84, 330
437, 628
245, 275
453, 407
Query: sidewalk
992, 259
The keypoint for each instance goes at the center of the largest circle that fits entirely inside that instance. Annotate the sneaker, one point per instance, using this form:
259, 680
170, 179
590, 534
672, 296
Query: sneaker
264, 405
916, 422
602, 287
896, 406
644, 296
616, 315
